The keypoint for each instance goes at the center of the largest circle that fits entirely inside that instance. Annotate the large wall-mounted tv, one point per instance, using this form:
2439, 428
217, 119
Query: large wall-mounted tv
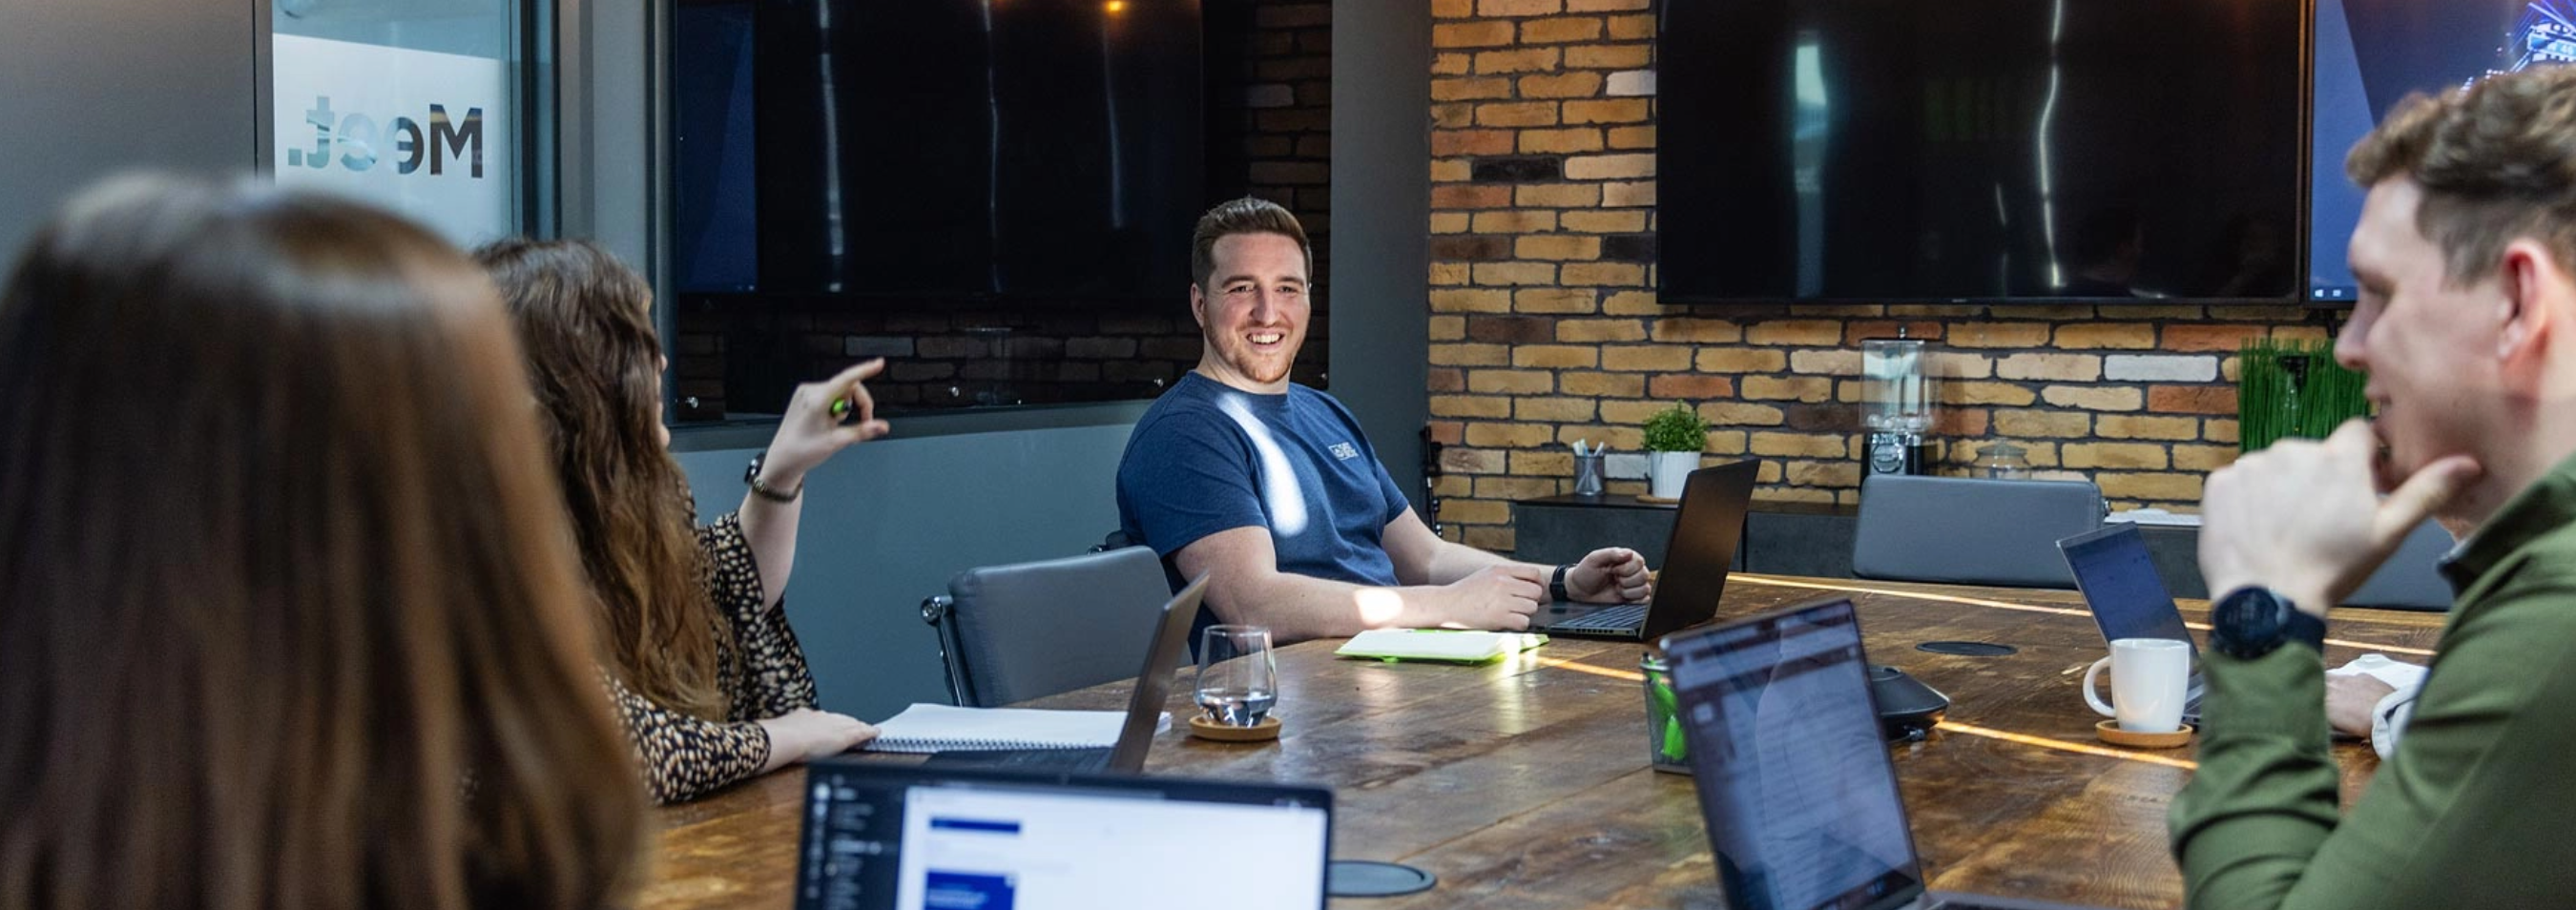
1022, 151
2371, 54
1989, 151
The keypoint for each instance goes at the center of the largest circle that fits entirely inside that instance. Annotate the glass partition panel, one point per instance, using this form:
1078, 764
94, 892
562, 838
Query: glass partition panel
415, 105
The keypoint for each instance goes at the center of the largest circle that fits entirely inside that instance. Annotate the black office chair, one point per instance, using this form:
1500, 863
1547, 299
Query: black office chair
1012, 633
1971, 531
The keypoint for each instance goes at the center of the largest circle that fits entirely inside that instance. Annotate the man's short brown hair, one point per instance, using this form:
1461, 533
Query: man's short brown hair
1247, 215
2496, 161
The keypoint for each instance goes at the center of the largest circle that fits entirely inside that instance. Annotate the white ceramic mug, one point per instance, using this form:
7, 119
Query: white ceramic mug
2148, 679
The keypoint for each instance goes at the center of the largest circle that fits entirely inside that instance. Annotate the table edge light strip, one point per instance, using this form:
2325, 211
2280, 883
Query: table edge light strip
2030, 608
1947, 724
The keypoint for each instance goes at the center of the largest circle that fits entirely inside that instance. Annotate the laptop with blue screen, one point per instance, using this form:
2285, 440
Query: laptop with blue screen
1794, 781
884, 836
2128, 599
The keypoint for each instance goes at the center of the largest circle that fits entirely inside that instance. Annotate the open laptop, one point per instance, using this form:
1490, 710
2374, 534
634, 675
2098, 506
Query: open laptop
884, 836
1794, 782
1706, 529
1144, 705
2126, 595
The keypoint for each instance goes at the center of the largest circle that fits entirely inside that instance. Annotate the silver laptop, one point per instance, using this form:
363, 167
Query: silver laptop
1794, 781
2127, 597
884, 836
1706, 529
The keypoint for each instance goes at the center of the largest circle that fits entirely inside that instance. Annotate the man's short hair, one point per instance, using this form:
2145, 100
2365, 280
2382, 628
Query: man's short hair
1247, 215
2496, 161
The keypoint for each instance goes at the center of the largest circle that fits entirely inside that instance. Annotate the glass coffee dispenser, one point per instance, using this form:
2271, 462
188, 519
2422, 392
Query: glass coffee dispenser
1896, 393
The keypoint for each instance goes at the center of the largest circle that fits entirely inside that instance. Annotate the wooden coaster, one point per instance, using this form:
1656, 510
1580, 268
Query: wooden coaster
1204, 728
2110, 732
1641, 497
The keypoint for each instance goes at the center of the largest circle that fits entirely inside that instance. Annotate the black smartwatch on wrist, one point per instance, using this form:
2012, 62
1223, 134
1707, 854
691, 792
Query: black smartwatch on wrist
1556, 583
2253, 621
751, 476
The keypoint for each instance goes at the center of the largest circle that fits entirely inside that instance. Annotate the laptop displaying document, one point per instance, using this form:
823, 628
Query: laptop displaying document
1706, 529
2127, 597
1794, 782
881, 836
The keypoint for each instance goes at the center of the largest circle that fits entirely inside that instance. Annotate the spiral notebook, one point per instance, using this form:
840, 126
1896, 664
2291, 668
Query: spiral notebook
946, 728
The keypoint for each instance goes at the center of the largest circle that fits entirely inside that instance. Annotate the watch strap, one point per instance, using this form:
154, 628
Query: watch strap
1556, 583
2305, 628
751, 476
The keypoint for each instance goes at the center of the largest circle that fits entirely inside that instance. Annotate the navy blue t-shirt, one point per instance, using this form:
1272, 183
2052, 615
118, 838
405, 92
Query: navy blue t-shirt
1208, 457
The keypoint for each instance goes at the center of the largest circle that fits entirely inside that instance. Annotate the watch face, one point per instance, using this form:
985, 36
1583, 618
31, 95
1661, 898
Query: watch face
2248, 622
752, 473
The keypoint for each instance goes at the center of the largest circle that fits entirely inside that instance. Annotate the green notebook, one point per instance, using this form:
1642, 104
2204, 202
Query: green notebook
1447, 645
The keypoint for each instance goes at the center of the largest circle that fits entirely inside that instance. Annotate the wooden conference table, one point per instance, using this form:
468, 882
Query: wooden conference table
1525, 783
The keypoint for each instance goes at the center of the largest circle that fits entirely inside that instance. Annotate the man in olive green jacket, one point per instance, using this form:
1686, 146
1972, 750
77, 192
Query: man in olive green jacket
2467, 326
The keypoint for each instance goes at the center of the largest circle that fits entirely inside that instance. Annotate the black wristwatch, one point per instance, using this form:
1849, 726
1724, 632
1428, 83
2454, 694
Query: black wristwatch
1556, 583
751, 476
2253, 621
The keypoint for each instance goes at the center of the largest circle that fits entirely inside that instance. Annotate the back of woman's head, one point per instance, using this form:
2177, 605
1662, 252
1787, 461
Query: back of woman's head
585, 321
291, 618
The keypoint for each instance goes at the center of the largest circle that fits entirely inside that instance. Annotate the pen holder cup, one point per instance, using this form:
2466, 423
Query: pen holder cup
1666, 749
1587, 475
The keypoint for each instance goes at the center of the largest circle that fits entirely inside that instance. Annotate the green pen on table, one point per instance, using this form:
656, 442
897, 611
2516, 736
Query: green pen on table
1671, 752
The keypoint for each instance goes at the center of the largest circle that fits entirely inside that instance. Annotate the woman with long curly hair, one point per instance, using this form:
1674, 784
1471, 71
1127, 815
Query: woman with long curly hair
708, 677
292, 618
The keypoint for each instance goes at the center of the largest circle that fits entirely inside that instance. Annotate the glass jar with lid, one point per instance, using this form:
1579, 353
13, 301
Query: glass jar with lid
2003, 461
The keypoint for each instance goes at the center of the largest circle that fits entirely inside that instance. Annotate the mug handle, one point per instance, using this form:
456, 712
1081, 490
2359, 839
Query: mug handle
2090, 698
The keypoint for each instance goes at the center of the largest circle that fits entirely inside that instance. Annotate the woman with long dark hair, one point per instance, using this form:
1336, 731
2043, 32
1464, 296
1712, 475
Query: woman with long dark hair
708, 677
292, 619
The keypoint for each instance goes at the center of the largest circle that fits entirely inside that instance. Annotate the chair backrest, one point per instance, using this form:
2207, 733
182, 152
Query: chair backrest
2410, 579
1971, 531
1012, 633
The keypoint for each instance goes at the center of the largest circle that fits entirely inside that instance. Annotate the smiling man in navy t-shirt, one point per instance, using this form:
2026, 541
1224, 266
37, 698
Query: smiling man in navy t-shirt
1272, 489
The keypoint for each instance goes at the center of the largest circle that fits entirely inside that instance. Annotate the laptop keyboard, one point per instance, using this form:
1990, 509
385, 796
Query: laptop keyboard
1619, 617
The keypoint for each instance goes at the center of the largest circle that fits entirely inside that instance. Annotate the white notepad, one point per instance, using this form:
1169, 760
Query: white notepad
939, 728
1439, 644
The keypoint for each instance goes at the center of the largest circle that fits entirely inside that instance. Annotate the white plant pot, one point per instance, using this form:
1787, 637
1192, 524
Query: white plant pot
1667, 472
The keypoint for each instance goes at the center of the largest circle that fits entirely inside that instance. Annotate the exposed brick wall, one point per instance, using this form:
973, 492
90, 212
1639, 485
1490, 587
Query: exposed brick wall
1269, 122
1545, 327
1272, 97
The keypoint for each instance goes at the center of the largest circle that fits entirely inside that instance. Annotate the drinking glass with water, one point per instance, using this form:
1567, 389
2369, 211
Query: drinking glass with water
1238, 679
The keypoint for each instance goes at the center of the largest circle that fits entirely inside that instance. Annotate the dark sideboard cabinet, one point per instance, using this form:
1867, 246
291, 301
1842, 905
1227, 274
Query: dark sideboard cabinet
1779, 539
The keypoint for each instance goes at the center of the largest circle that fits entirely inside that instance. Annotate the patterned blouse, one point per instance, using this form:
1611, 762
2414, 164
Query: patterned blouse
685, 757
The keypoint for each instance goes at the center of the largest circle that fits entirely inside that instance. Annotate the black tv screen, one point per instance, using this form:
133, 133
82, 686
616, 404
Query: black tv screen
2371, 54
952, 149
1979, 150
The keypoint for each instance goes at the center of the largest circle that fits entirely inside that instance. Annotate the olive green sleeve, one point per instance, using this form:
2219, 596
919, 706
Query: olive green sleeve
2264, 798
2472, 810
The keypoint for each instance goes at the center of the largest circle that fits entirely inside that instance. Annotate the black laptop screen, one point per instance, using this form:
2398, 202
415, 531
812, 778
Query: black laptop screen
2120, 583
1793, 777
1707, 528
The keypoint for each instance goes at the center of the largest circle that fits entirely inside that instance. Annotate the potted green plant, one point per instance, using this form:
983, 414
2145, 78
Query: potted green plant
1675, 436
2293, 388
